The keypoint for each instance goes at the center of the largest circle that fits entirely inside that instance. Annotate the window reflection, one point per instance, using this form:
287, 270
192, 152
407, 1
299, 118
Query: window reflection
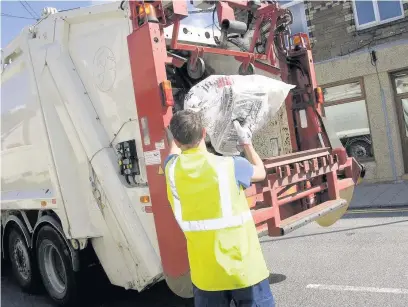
401, 83
345, 109
343, 91
405, 110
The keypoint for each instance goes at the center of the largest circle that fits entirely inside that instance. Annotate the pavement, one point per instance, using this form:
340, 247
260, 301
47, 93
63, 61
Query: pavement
360, 261
380, 195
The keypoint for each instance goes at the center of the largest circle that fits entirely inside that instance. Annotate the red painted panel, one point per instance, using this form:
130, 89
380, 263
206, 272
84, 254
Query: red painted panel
148, 54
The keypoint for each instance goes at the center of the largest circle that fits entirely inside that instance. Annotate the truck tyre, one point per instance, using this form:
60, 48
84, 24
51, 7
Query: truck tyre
22, 264
55, 266
360, 149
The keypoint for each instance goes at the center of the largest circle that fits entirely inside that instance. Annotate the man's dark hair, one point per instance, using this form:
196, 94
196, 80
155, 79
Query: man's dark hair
186, 127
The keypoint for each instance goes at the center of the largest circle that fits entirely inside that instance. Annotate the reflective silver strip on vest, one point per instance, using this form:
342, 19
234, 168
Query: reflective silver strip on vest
226, 221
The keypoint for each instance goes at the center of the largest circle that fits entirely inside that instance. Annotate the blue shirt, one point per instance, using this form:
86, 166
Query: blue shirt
243, 170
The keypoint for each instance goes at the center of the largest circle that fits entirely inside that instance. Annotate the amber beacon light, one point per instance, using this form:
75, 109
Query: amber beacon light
146, 11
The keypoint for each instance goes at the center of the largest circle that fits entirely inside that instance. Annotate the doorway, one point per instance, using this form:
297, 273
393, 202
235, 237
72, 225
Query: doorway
400, 84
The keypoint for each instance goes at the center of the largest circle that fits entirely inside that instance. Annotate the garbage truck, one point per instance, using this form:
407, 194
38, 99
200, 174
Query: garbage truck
86, 97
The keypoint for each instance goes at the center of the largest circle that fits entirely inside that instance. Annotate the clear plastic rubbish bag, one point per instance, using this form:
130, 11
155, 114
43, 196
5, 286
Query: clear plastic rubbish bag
249, 99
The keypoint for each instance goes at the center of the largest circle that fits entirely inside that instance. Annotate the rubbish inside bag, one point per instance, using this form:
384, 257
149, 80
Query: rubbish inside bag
251, 100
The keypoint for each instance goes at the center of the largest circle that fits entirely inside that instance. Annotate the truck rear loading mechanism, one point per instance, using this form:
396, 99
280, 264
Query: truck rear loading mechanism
300, 187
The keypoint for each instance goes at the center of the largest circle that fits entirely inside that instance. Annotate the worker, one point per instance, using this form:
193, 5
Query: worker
206, 193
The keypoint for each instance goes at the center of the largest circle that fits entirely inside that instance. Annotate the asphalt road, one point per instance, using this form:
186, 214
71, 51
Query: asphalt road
361, 261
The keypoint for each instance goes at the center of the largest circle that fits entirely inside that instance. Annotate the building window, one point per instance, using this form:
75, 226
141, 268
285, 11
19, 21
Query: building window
401, 83
369, 13
345, 109
297, 8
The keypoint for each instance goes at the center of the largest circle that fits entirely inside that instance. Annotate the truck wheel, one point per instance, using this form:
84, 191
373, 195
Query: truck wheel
54, 263
21, 261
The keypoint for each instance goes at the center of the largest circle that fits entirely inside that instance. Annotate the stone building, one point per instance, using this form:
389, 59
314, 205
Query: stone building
360, 49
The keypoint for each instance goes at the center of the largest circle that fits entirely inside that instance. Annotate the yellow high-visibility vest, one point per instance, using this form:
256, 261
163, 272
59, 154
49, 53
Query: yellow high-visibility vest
222, 242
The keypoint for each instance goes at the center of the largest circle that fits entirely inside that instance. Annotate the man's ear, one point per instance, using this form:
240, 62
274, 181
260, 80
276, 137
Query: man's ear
204, 133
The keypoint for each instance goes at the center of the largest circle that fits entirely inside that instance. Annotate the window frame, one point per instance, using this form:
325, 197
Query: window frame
363, 96
292, 3
303, 20
360, 80
377, 20
398, 108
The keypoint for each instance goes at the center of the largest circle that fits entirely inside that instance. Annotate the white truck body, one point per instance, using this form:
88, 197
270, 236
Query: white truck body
67, 100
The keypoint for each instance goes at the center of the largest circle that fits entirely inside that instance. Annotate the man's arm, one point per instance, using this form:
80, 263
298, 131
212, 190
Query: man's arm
244, 141
253, 157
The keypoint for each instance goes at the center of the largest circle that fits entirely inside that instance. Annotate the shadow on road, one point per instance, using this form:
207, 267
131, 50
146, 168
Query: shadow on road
104, 294
375, 214
276, 278
96, 291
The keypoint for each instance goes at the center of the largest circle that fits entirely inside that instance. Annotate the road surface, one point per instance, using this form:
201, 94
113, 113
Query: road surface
361, 261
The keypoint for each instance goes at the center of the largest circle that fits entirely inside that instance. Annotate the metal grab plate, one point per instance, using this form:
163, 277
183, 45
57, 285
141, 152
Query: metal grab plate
332, 217
307, 216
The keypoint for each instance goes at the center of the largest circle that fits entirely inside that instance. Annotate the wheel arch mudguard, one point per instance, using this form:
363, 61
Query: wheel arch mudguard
362, 138
14, 220
56, 225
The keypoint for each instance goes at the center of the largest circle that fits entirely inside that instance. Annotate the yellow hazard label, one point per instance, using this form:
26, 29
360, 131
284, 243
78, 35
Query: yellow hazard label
160, 172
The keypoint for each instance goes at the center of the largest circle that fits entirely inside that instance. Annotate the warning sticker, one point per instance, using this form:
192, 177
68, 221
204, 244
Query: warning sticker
152, 157
160, 144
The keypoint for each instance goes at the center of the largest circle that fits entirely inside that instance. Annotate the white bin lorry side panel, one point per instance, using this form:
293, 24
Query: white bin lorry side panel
24, 136
99, 51
82, 105
70, 161
126, 244
104, 68
24, 184
22, 52
103, 65
85, 214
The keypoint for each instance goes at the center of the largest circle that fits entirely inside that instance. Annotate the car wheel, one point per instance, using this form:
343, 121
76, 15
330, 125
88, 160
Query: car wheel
360, 149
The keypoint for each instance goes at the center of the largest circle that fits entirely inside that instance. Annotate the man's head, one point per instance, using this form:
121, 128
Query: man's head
187, 129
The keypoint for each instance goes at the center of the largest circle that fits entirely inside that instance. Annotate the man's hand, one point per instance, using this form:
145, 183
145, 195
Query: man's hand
245, 144
244, 134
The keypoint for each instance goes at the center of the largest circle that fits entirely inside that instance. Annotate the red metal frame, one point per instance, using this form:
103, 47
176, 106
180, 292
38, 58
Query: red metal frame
296, 184
147, 51
267, 199
224, 11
